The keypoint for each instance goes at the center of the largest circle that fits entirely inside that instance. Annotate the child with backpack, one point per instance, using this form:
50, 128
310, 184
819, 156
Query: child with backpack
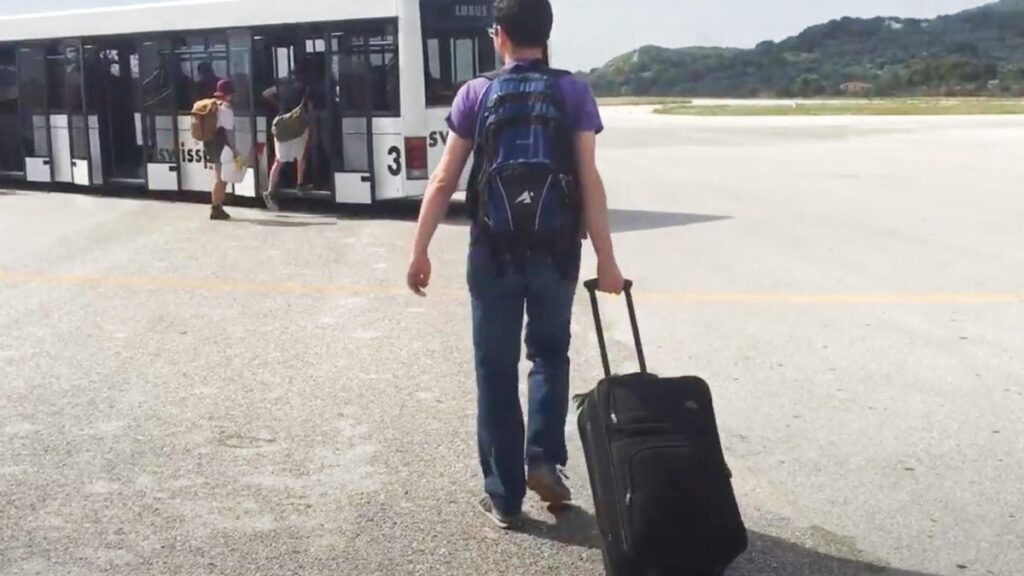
213, 124
534, 194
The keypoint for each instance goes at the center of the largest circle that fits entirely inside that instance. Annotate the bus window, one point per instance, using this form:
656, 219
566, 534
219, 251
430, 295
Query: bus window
369, 55
10, 144
160, 71
285, 60
75, 106
204, 62
32, 72
56, 80
384, 80
433, 57
464, 60
456, 46
452, 61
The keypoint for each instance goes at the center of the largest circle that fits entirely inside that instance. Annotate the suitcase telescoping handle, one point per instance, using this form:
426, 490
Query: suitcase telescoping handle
591, 286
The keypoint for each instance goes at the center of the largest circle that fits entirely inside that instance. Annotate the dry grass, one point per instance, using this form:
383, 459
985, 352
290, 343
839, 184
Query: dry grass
641, 101
895, 107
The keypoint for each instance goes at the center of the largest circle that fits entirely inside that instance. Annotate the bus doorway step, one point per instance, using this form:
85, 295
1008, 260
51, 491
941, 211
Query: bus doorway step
305, 194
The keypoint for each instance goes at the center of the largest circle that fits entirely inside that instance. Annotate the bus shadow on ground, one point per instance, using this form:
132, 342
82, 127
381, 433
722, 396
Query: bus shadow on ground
405, 211
622, 221
625, 221
766, 555
284, 221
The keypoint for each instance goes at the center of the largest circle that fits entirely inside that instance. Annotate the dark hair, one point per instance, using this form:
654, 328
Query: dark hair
527, 23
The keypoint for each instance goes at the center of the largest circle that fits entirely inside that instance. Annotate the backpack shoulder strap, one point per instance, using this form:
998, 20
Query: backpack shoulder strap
481, 114
542, 68
553, 75
493, 74
204, 106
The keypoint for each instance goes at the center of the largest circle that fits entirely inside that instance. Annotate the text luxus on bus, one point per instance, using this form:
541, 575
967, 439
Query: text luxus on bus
101, 97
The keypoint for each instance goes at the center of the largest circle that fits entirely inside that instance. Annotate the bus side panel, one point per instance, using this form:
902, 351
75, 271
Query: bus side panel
437, 139
389, 166
412, 94
196, 169
352, 188
413, 122
437, 136
95, 150
415, 188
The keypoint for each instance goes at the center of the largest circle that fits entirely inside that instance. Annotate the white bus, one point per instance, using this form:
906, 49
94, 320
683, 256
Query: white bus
100, 98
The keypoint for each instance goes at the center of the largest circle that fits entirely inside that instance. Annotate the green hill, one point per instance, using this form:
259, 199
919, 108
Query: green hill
975, 52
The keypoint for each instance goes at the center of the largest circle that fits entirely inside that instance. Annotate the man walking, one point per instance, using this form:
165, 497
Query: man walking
291, 131
534, 191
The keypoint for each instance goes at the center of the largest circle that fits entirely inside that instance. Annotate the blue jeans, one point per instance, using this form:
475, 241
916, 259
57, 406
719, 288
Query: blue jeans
498, 303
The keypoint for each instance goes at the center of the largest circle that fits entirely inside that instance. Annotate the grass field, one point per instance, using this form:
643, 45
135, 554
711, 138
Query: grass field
896, 107
642, 101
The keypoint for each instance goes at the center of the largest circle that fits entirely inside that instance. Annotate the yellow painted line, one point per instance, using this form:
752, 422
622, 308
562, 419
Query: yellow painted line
203, 284
881, 298
214, 284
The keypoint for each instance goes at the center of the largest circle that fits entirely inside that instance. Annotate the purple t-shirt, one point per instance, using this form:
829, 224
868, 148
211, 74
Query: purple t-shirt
580, 106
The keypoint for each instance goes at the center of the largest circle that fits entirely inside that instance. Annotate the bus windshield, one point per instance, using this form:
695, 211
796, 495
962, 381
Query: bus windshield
456, 45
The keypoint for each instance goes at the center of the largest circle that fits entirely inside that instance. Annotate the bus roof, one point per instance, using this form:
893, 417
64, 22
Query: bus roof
185, 15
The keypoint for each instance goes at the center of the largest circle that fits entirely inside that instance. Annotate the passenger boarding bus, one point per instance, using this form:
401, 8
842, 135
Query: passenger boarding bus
100, 98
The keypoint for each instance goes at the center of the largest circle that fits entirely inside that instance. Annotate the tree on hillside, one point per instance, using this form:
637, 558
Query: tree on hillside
960, 53
808, 86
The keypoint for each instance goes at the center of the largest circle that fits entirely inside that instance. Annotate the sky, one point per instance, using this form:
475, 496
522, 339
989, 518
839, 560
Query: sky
588, 33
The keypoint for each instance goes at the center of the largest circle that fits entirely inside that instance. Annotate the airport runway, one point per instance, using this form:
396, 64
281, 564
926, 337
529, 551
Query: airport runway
179, 396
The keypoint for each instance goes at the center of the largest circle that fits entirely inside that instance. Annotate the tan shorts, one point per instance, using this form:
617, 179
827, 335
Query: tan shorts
291, 150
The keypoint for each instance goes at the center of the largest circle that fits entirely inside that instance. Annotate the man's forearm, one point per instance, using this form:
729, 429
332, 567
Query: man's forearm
439, 192
595, 211
435, 206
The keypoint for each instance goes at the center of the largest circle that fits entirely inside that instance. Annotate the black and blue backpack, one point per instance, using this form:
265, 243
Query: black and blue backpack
522, 193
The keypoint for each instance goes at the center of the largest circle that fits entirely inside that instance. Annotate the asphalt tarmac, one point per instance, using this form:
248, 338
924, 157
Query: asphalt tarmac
261, 396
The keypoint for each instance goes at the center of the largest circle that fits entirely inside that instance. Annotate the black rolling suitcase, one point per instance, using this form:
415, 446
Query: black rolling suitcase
662, 490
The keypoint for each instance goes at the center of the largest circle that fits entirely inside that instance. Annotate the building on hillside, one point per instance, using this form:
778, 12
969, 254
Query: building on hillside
857, 88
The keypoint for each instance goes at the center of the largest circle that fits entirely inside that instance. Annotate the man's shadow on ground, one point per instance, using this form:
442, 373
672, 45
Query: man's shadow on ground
766, 555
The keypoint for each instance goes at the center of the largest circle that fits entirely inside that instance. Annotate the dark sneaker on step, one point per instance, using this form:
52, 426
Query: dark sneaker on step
501, 520
549, 483
218, 213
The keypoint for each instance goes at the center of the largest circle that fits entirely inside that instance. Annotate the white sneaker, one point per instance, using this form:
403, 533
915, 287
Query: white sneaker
268, 199
500, 520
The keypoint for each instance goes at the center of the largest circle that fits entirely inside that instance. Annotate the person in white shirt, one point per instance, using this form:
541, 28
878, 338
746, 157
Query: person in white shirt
225, 138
